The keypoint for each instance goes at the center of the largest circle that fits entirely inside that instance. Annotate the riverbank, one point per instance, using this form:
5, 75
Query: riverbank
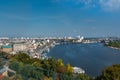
114, 47
113, 44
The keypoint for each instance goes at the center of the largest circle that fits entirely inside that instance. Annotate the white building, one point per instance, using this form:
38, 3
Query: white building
19, 47
4, 38
78, 70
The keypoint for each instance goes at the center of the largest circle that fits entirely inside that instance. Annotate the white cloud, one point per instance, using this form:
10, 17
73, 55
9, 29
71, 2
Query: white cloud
75, 1
110, 5
83, 1
107, 5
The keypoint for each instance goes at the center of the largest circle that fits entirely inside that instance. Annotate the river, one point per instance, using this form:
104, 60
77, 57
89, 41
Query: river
91, 57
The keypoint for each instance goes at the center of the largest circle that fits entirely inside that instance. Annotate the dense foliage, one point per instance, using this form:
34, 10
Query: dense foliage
5, 55
34, 69
110, 73
114, 44
3, 58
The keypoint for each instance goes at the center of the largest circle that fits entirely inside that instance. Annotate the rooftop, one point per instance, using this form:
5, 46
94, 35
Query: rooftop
6, 46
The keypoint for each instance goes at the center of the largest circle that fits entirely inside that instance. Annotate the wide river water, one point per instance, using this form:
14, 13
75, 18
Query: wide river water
91, 57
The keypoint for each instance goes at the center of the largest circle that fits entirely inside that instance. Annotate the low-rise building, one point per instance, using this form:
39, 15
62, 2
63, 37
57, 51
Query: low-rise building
19, 47
6, 48
78, 70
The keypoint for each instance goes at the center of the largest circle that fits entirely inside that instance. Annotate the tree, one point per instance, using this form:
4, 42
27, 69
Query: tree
32, 79
111, 73
18, 77
29, 71
35, 62
69, 69
53, 64
3, 55
5, 78
61, 69
60, 66
1, 64
21, 57
16, 66
83, 77
60, 63
113, 44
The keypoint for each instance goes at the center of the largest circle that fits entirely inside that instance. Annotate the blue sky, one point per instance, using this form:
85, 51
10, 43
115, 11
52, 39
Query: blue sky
40, 18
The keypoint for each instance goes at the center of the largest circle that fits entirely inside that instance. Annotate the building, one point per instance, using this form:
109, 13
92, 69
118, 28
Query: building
6, 48
78, 70
19, 47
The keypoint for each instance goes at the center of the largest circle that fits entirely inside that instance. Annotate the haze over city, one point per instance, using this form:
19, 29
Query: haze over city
89, 18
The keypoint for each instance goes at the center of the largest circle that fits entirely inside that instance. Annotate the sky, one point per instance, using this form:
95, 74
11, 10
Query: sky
45, 18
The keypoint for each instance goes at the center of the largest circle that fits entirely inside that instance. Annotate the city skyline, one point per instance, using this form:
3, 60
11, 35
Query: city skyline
36, 18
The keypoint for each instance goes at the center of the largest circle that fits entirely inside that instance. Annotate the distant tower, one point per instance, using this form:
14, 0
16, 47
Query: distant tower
33, 41
80, 38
